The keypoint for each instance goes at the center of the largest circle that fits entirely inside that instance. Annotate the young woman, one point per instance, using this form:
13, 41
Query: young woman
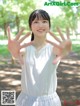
39, 61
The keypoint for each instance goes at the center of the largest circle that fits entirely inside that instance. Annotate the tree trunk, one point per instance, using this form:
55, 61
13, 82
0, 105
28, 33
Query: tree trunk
17, 23
5, 28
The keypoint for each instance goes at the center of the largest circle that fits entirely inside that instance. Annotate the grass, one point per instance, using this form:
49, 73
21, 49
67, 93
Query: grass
3, 37
4, 51
76, 48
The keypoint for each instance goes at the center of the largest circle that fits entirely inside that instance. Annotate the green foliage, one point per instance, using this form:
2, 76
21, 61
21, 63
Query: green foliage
3, 37
59, 21
77, 1
76, 48
68, 18
4, 51
15, 13
69, 15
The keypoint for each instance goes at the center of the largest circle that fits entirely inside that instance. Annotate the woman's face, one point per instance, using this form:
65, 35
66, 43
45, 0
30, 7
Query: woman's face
40, 27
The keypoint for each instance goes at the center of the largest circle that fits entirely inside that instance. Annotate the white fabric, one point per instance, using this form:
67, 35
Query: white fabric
38, 74
50, 100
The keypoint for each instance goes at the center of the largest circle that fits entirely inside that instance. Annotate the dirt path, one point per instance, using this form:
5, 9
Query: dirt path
68, 78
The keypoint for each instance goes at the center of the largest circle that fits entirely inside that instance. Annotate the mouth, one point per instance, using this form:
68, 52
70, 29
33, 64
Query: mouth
41, 30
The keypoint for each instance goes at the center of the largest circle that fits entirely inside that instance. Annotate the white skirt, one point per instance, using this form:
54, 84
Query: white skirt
47, 100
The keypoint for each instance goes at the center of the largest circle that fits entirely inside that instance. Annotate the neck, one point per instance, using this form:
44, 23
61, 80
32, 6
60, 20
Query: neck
39, 42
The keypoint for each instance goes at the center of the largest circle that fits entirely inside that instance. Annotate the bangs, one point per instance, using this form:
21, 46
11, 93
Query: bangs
40, 15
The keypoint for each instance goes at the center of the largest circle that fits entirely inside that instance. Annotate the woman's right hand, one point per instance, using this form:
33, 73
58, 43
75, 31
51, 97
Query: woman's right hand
14, 45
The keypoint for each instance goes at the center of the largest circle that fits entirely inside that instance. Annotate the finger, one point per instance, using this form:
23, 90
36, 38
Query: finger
23, 38
19, 34
67, 32
56, 45
58, 29
26, 44
9, 35
56, 38
57, 59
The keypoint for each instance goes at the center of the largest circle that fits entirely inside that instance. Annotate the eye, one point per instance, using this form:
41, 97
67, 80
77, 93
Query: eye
45, 21
35, 21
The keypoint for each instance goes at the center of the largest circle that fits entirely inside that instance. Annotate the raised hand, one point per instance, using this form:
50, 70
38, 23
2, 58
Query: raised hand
63, 48
14, 45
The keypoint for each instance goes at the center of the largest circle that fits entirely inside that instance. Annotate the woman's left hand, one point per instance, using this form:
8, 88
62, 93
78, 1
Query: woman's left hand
63, 48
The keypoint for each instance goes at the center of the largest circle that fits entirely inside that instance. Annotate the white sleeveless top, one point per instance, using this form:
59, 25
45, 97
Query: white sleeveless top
38, 72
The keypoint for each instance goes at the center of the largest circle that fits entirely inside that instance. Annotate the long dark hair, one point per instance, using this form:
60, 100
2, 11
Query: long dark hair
39, 13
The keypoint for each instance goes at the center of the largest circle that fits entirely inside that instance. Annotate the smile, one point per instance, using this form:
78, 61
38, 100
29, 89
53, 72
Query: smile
41, 30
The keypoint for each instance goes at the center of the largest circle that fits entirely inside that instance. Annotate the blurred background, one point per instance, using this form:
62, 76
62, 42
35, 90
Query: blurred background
15, 13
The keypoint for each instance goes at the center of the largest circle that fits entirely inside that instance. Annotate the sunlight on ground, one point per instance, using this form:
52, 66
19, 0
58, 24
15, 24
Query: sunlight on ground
69, 72
9, 76
9, 73
71, 61
15, 82
7, 80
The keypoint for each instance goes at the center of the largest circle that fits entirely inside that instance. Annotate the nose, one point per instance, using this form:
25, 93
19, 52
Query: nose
40, 24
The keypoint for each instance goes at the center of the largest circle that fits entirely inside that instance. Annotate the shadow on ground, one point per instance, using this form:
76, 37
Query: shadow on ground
68, 78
